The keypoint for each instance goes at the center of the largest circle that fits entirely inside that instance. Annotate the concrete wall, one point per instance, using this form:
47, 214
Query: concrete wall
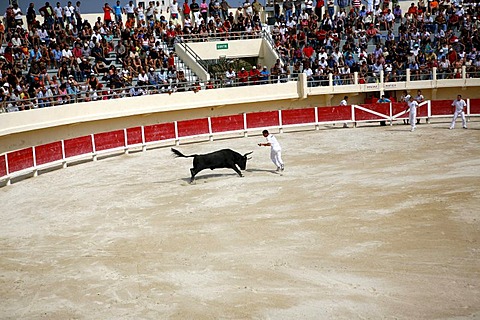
258, 48
35, 127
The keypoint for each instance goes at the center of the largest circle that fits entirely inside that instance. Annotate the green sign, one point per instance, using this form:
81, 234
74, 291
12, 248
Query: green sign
222, 46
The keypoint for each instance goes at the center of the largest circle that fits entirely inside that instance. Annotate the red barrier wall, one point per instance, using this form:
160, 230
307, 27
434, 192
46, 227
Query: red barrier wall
157, 132
3, 166
134, 135
297, 116
227, 123
109, 140
19, 160
337, 113
192, 127
262, 119
442, 107
474, 106
398, 107
48, 152
383, 108
78, 146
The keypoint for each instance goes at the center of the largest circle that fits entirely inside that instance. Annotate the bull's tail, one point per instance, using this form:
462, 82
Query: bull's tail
179, 154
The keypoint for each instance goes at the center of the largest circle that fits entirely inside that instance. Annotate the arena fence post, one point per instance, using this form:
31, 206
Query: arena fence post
317, 126
280, 125
177, 139
94, 149
353, 115
210, 131
391, 114
245, 130
126, 140
429, 110
468, 109
64, 161
144, 144
9, 180
35, 169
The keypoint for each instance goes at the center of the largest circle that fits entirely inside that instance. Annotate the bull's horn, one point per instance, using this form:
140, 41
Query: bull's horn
246, 154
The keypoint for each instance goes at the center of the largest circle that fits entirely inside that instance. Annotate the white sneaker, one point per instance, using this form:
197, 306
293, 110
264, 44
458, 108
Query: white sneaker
282, 168
465, 128
278, 168
450, 128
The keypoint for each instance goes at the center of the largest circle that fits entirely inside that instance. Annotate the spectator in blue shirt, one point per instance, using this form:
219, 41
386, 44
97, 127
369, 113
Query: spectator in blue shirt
264, 75
34, 54
57, 56
118, 12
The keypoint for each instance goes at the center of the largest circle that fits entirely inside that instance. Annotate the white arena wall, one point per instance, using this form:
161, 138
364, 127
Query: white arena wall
36, 139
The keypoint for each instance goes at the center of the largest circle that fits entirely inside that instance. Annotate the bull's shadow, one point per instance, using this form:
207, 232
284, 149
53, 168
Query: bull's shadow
206, 177
262, 170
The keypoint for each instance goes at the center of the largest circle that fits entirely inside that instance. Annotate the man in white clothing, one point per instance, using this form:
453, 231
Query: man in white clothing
276, 150
459, 105
344, 102
412, 106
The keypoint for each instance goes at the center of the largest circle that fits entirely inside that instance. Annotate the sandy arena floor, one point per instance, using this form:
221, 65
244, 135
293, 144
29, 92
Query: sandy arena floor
366, 223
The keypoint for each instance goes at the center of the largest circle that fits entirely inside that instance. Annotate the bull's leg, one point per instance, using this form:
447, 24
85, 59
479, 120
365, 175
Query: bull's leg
193, 173
234, 167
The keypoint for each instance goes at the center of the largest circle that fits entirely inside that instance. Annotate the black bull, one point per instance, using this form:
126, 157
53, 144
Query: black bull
225, 158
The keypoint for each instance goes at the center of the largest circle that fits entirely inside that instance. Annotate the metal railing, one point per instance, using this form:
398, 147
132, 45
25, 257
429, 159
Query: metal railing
220, 81
106, 93
197, 58
220, 36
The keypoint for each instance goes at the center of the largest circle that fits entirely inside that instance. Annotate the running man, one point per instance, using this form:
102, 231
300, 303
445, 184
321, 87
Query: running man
412, 105
276, 150
459, 105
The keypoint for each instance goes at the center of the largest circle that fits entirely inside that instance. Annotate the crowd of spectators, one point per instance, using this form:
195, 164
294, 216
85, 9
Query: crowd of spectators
124, 54
374, 37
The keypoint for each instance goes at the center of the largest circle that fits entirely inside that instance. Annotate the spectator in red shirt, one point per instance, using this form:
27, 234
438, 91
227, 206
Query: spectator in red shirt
308, 52
242, 77
413, 10
107, 16
254, 73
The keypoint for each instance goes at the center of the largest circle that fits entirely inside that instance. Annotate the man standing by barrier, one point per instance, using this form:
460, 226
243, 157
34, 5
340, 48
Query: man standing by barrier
412, 106
276, 149
383, 99
459, 105
344, 102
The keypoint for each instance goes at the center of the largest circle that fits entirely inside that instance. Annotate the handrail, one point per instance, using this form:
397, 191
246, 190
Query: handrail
220, 36
124, 92
268, 38
197, 58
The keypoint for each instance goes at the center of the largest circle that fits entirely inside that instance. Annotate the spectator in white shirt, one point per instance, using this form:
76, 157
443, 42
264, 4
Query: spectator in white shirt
58, 10
70, 13
142, 78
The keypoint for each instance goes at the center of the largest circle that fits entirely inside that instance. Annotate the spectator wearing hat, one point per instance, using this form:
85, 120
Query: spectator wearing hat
254, 75
152, 78
242, 76
264, 75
